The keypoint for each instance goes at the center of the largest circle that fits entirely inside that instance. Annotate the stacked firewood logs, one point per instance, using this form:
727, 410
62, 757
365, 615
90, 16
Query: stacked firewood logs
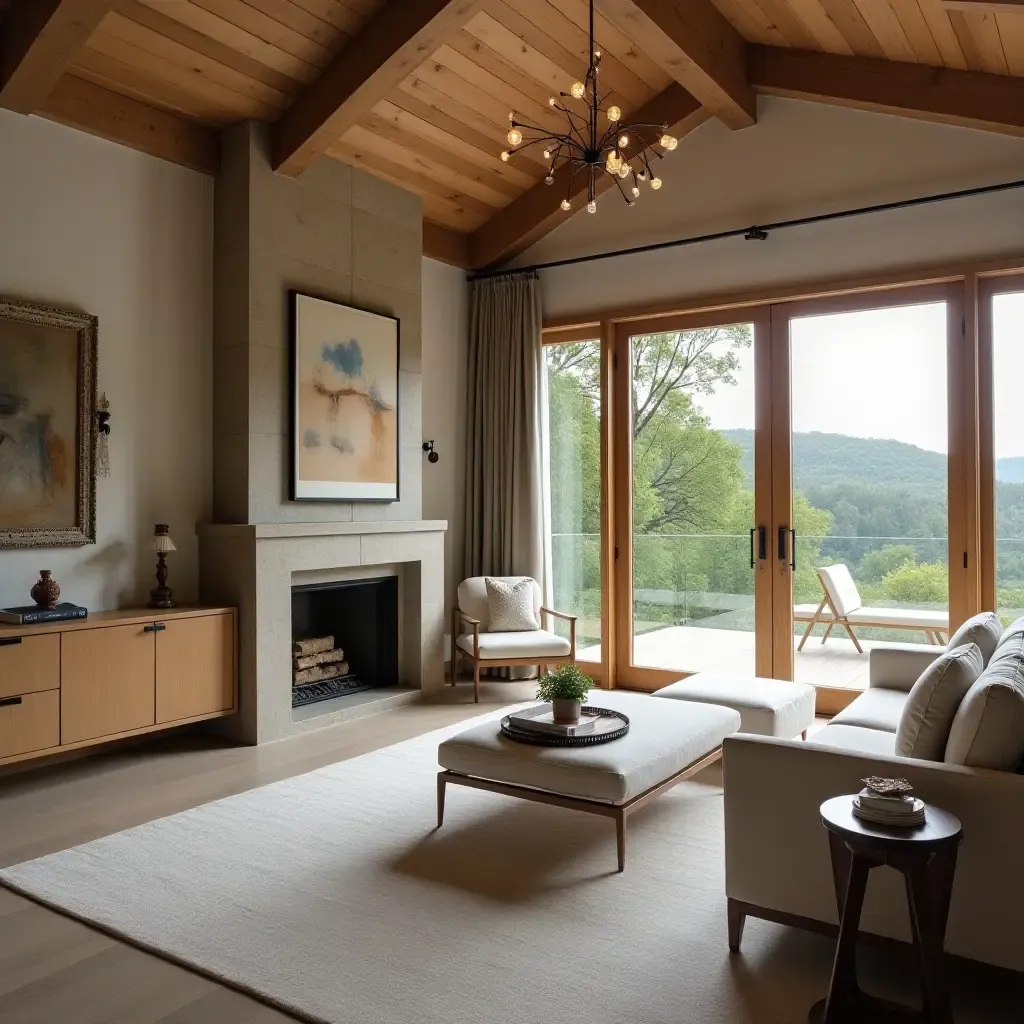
317, 658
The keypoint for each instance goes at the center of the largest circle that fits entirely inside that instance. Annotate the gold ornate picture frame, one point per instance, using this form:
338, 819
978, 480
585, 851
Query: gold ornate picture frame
47, 426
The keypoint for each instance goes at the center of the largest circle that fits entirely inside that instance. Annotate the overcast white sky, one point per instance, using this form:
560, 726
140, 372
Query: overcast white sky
882, 373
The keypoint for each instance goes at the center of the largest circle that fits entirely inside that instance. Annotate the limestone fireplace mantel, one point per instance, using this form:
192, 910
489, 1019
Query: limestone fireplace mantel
254, 566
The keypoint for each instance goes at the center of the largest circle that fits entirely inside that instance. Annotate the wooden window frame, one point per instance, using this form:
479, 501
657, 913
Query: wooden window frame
967, 288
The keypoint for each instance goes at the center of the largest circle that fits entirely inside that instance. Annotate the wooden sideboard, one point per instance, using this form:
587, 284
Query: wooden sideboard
66, 685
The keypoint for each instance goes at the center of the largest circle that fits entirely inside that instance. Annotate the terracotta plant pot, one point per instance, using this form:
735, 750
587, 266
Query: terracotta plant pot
566, 712
45, 593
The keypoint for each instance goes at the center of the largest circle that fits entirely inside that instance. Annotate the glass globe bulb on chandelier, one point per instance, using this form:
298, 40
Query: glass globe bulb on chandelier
595, 141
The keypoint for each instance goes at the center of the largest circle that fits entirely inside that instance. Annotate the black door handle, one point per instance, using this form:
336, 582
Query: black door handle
6, 702
752, 547
782, 543
792, 549
762, 543
10, 641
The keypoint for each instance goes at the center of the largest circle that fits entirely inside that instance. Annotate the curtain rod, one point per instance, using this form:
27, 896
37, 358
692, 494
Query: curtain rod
756, 232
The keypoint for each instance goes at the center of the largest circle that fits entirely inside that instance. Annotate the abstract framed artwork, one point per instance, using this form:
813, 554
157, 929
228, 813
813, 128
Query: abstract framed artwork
344, 402
47, 426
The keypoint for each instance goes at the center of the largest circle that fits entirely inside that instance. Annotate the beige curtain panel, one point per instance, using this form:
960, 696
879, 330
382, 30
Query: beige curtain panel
503, 447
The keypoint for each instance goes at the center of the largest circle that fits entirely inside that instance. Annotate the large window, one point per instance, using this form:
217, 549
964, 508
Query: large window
573, 456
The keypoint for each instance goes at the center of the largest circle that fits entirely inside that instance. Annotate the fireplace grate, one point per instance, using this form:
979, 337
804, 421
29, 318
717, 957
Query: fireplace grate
325, 689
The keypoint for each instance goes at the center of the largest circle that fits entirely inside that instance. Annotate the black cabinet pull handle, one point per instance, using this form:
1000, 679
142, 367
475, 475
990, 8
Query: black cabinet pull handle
154, 627
6, 702
10, 641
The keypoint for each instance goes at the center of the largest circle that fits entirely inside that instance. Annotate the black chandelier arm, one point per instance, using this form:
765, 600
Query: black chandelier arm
618, 181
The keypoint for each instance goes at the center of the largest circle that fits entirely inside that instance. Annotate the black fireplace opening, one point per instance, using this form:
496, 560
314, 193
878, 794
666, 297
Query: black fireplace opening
344, 638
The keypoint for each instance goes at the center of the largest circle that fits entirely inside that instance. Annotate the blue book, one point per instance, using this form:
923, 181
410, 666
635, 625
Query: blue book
33, 615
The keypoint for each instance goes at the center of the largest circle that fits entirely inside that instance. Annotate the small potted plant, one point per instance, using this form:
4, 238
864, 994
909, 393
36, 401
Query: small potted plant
566, 690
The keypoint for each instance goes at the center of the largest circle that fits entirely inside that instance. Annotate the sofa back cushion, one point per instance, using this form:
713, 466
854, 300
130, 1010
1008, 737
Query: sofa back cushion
932, 703
841, 589
988, 730
984, 629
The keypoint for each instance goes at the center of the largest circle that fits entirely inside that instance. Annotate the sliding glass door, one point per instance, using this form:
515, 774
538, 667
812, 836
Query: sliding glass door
861, 474
692, 523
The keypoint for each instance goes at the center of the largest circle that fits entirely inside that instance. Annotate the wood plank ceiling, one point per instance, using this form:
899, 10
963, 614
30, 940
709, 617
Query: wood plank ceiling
439, 131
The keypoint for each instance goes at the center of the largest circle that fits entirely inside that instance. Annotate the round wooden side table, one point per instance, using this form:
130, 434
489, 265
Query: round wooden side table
926, 856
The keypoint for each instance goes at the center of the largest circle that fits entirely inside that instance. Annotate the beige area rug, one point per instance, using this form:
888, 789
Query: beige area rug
333, 896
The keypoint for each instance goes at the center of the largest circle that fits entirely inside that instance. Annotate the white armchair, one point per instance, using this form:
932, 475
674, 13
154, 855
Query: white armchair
485, 649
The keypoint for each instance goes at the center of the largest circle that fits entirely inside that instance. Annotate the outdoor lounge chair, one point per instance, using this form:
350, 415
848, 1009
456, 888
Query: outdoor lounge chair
841, 604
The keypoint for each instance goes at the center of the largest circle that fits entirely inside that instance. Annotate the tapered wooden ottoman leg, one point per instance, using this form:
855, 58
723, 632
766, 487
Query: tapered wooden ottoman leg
737, 919
620, 839
441, 782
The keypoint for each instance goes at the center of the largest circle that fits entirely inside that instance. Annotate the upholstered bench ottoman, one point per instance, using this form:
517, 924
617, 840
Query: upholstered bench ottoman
666, 743
767, 707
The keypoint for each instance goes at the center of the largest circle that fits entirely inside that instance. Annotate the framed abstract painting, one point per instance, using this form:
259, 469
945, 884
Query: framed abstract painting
344, 402
47, 426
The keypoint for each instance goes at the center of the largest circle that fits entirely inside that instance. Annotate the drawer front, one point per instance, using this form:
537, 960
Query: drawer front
29, 722
29, 664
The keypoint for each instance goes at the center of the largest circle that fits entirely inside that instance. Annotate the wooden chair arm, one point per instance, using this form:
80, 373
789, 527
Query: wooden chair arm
560, 615
475, 623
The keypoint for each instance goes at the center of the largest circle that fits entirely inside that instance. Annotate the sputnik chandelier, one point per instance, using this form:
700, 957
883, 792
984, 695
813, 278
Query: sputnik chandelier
590, 146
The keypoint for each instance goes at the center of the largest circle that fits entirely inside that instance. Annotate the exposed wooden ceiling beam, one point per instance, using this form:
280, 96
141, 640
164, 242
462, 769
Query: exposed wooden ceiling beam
972, 99
538, 211
40, 39
396, 41
695, 43
441, 243
981, 6
98, 111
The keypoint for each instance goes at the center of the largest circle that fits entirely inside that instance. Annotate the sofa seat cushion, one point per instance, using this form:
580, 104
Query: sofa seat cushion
664, 737
855, 739
988, 730
876, 708
933, 701
531, 643
767, 707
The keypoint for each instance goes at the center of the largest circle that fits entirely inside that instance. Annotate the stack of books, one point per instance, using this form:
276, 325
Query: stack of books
32, 614
889, 808
540, 721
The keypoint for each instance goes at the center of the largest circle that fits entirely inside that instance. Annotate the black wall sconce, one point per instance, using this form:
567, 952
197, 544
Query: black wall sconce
432, 456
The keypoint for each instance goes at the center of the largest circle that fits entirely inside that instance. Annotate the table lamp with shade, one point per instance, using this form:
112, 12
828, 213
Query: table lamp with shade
161, 596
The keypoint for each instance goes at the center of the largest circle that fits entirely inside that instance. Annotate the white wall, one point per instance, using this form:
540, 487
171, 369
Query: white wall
800, 159
445, 341
93, 226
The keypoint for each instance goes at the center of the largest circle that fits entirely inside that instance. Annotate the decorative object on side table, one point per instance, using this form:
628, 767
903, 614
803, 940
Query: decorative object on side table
48, 410
344, 402
566, 689
45, 591
888, 802
161, 596
926, 856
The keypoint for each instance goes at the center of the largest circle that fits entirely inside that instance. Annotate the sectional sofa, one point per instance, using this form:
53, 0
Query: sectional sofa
777, 855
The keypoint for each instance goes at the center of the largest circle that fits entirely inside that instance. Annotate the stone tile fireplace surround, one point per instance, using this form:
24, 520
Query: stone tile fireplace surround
255, 566
340, 234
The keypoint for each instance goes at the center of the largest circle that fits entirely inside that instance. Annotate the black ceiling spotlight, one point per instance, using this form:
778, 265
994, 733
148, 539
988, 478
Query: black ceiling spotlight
428, 446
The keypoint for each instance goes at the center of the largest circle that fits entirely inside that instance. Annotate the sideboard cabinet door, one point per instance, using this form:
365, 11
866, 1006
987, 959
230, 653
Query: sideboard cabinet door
195, 667
106, 682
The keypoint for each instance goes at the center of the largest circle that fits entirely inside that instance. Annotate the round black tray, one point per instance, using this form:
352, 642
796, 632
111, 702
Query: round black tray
617, 725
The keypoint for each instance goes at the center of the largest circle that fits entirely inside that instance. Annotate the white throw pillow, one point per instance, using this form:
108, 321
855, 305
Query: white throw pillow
510, 607
988, 731
983, 629
933, 700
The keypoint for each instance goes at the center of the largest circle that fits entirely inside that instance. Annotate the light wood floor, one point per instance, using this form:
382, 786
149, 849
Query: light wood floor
57, 971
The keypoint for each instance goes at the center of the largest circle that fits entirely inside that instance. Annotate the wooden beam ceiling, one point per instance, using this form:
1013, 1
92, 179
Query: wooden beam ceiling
697, 46
538, 211
98, 111
981, 6
40, 38
396, 41
971, 99
440, 243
